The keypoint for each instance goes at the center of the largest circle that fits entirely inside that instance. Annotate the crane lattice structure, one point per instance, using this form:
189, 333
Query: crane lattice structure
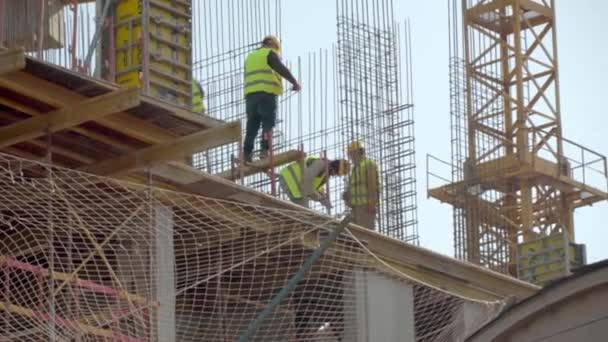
516, 178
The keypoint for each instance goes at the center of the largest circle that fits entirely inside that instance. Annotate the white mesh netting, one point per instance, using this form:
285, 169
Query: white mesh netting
86, 258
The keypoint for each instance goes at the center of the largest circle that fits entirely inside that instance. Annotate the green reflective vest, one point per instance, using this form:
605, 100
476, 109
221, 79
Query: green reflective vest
197, 98
357, 182
292, 178
259, 76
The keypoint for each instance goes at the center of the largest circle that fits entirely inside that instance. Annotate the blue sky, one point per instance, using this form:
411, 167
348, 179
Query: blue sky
583, 71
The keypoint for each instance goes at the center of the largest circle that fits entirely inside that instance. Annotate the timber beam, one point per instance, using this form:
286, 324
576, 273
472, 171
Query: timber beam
59, 97
171, 150
12, 60
262, 165
69, 116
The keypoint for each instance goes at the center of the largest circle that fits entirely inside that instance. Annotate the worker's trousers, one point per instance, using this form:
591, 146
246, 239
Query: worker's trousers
363, 217
261, 111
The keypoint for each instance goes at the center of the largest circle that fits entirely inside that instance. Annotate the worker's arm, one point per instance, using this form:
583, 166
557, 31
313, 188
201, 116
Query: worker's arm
310, 172
372, 184
277, 65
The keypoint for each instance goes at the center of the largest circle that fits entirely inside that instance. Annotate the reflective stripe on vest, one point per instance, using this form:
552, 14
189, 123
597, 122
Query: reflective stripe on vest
358, 182
259, 76
292, 177
197, 98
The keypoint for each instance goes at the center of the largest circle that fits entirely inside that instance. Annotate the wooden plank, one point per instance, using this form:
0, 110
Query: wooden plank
184, 114
11, 60
57, 96
66, 117
174, 150
198, 119
262, 165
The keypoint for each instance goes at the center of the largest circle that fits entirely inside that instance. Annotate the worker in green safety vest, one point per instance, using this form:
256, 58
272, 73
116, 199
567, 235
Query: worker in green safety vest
362, 194
197, 106
302, 185
263, 83
197, 97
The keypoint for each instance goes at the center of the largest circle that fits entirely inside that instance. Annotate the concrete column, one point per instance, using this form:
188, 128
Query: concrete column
384, 309
164, 271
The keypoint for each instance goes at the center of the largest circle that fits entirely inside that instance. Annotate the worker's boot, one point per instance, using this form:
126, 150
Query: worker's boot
263, 154
247, 158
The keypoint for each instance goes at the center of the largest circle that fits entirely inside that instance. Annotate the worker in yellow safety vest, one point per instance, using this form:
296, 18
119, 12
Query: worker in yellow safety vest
197, 97
263, 83
362, 193
302, 185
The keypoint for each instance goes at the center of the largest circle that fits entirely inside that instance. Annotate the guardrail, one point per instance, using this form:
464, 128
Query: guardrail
582, 164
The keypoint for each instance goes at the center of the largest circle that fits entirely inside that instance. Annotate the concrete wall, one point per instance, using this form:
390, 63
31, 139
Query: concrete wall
580, 318
573, 309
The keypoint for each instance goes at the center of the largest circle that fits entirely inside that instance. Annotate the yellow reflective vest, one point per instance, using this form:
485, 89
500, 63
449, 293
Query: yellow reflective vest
197, 98
292, 177
357, 182
259, 76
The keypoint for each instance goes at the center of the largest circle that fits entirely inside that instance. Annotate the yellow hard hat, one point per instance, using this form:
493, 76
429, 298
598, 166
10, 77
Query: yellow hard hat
355, 146
273, 40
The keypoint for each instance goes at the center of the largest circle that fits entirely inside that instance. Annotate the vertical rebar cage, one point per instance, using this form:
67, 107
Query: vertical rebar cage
375, 104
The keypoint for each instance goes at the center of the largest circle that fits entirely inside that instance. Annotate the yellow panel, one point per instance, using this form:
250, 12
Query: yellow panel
131, 56
543, 260
128, 9
169, 48
185, 88
177, 15
130, 79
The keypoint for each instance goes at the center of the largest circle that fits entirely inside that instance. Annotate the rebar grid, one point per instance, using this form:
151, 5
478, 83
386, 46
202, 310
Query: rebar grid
376, 103
319, 120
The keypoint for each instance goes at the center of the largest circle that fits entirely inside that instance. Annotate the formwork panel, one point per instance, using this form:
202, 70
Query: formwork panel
161, 35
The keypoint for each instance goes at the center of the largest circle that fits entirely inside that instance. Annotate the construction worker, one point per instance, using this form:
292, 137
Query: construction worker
197, 97
362, 193
302, 186
263, 83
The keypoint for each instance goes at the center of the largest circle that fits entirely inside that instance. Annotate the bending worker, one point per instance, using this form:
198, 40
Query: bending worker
362, 193
302, 186
263, 83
